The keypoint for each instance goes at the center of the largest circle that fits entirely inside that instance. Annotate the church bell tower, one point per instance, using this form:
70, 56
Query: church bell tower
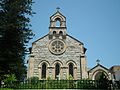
57, 27
57, 33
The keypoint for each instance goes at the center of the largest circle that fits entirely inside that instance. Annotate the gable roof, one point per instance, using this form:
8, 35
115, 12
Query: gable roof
98, 66
75, 39
66, 34
56, 13
40, 38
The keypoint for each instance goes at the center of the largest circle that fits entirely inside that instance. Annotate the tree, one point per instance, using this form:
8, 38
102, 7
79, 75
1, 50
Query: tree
103, 81
15, 33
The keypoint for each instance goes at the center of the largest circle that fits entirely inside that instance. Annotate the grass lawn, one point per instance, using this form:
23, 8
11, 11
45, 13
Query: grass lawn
6, 89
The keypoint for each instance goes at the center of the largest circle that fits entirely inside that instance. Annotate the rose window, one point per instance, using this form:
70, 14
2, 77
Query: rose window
57, 46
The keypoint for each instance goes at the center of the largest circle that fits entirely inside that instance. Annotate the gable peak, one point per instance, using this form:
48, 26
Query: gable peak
57, 15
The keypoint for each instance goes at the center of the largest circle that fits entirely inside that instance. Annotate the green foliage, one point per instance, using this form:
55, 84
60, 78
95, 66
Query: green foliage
103, 81
102, 77
6, 89
10, 78
15, 33
34, 79
60, 84
86, 84
49, 78
70, 77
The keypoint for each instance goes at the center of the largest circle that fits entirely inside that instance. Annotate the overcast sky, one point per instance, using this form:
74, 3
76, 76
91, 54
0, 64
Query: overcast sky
96, 23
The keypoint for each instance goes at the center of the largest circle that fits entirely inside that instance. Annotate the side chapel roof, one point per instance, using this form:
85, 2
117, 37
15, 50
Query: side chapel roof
98, 65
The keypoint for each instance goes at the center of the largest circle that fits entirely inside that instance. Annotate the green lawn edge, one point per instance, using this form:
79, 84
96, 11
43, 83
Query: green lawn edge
6, 89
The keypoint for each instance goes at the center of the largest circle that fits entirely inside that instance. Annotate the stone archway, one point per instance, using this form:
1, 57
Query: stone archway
97, 74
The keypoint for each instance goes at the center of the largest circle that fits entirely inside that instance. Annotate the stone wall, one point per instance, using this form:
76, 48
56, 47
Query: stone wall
73, 53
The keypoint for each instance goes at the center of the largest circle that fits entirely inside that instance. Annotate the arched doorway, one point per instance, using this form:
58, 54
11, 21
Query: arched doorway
71, 69
57, 71
43, 73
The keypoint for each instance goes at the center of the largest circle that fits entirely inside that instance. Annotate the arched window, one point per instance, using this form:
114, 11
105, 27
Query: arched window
60, 33
57, 71
54, 32
44, 71
71, 69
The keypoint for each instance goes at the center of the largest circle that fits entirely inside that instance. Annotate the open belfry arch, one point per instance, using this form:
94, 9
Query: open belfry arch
57, 55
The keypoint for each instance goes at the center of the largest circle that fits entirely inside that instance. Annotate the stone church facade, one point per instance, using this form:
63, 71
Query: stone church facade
58, 55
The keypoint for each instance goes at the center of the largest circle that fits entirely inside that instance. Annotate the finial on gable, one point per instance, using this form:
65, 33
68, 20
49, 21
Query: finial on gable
58, 8
98, 61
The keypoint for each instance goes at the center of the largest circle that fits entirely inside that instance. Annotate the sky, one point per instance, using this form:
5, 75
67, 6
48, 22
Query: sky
96, 23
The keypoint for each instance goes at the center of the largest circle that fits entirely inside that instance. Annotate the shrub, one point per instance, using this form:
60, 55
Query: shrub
33, 80
10, 78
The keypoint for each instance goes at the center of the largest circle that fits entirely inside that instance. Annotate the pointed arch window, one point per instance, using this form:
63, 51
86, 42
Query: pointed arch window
57, 70
43, 71
71, 70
